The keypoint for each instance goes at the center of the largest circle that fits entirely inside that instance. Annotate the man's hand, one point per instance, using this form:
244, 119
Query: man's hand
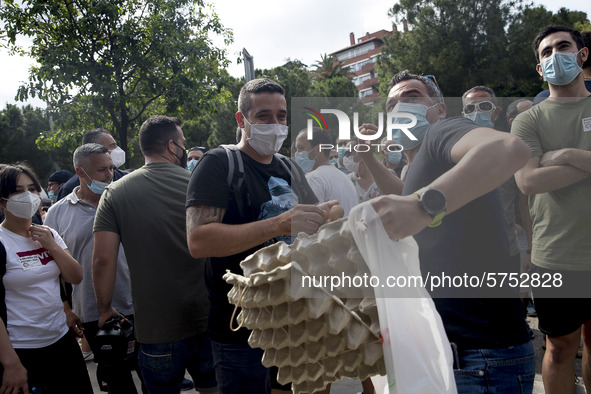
303, 218
104, 316
526, 264
367, 129
556, 158
401, 215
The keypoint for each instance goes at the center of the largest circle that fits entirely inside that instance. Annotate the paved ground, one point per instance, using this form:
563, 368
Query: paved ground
349, 386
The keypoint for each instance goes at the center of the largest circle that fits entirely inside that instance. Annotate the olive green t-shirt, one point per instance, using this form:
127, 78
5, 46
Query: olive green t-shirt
147, 209
561, 218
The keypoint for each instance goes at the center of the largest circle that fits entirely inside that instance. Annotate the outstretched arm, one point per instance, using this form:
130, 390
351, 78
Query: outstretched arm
480, 151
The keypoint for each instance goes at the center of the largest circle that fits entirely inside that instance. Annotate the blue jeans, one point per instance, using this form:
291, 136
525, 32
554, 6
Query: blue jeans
238, 369
503, 370
163, 365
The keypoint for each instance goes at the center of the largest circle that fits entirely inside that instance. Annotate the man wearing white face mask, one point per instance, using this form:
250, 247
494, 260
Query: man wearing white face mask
102, 137
448, 203
556, 179
272, 208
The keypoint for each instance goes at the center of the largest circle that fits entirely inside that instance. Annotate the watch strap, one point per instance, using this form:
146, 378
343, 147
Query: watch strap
438, 217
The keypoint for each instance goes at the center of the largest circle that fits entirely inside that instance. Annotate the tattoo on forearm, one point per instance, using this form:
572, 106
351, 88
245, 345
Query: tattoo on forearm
201, 215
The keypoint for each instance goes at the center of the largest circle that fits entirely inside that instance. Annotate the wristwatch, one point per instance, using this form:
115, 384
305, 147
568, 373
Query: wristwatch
433, 202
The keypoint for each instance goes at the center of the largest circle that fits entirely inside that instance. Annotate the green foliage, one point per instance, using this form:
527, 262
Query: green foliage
328, 67
19, 129
470, 42
126, 59
338, 86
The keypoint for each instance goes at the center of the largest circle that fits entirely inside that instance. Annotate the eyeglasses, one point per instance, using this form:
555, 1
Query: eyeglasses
483, 106
197, 148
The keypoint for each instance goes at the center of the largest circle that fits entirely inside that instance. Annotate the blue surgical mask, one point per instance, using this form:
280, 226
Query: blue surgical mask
96, 186
52, 196
304, 161
394, 157
418, 130
481, 118
341, 151
561, 68
191, 164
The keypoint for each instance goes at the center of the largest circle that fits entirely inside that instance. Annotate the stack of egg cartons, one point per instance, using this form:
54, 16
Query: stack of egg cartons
314, 335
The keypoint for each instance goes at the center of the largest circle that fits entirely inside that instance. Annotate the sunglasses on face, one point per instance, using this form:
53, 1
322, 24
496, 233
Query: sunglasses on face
483, 106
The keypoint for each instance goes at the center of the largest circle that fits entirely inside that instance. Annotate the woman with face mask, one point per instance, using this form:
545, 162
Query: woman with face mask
36, 347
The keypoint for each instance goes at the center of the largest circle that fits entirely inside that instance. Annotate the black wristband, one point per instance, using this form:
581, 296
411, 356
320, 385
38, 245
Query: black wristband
528, 251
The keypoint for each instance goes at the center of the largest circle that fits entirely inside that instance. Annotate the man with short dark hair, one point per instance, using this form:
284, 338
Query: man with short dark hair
450, 206
145, 212
102, 137
270, 199
586, 66
556, 178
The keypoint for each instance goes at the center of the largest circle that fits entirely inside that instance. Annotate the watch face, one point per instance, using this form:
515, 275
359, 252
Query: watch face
433, 201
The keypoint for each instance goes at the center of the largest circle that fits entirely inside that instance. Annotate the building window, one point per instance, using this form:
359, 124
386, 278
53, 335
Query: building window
365, 92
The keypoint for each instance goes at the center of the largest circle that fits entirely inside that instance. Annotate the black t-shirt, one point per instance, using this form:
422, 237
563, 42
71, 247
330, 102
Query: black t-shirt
472, 241
266, 192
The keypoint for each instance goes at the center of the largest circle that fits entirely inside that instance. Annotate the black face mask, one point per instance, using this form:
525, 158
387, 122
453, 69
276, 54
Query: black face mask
183, 158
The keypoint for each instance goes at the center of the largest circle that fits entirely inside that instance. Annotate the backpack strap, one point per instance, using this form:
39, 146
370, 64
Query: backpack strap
297, 184
235, 175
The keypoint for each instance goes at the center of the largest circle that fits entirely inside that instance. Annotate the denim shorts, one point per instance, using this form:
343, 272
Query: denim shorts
239, 370
508, 370
163, 365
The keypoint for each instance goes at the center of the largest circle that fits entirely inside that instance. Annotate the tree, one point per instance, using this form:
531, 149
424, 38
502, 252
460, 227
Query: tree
338, 86
327, 67
122, 58
469, 42
19, 128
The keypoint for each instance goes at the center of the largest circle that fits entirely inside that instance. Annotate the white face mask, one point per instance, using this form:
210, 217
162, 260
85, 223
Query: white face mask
118, 157
23, 205
350, 164
266, 139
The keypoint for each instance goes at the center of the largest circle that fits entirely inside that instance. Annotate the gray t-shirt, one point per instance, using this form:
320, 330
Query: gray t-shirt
147, 209
73, 218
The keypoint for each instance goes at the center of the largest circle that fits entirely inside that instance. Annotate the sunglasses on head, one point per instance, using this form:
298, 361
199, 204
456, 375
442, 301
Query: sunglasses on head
196, 147
483, 106
432, 78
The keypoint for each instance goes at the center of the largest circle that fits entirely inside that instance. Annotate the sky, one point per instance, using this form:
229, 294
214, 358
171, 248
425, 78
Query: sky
274, 31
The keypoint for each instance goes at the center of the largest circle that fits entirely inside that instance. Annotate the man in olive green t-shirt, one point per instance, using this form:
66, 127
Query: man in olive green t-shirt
556, 178
145, 211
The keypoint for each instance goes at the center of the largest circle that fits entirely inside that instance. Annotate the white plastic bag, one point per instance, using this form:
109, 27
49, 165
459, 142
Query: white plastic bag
416, 349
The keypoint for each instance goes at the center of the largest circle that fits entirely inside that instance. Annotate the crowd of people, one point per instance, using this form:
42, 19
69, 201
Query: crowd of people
150, 246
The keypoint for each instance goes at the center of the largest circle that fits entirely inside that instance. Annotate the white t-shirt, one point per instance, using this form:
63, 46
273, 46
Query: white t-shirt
34, 309
330, 183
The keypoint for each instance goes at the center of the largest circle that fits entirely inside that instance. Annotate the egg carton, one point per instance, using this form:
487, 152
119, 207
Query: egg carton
314, 335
